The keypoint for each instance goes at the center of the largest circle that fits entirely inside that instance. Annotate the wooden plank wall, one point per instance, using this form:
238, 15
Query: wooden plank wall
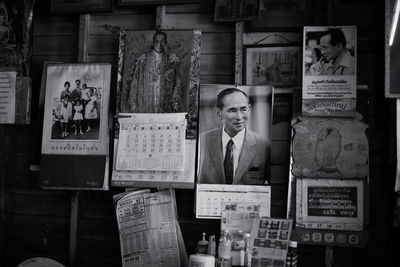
35, 222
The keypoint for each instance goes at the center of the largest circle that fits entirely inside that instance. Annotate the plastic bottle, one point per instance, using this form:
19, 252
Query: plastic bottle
291, 258
238, 244
247, 250
241, 257
202, 245
224, 247
211, 245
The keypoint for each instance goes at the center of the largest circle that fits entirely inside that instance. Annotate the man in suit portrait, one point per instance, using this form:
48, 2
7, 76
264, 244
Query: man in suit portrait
232, 154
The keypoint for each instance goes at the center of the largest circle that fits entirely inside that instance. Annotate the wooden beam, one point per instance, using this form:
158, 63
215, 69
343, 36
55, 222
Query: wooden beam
83, 46
73, 228
239, 53
2, 186
160, 17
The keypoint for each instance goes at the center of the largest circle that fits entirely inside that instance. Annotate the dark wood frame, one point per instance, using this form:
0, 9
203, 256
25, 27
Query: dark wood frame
296, 46
244, 18
282, 19
84, 6
154, 2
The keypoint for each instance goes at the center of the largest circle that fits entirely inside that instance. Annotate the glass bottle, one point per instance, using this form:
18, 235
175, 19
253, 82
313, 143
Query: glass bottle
247, 250
291, 258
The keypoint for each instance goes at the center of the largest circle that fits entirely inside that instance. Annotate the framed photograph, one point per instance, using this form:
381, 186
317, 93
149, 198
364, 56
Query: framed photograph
278, 65
282, 15
158, 72
76, 108
80, 6
16, 36
243, 112
168, 62
75, 145
236, 10
154, 2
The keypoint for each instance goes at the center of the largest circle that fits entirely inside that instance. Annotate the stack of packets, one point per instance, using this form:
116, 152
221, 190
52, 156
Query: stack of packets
149, 232
269, 241
269, 237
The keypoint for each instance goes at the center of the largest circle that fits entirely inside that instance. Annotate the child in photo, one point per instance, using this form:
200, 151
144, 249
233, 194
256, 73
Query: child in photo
90, 110
78, 116
66, 114
85, 94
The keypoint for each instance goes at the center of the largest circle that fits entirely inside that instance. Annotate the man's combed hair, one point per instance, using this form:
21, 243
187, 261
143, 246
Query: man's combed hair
227, 91
337, 36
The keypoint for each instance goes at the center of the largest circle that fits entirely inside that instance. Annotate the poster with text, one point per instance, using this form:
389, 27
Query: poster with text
330, 204
329, 71
75, 125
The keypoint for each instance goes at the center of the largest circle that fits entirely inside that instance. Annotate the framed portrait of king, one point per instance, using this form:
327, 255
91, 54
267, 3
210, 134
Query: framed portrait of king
158, 72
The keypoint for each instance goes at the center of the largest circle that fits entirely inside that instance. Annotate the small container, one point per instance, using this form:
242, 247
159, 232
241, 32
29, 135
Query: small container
224, 246
202, 245
212, 247
247, 250
222, 262
201, 260
291, 258
241, 257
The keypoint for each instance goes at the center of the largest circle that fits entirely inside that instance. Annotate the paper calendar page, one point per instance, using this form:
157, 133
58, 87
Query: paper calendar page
209, 198
153, 142
162, 179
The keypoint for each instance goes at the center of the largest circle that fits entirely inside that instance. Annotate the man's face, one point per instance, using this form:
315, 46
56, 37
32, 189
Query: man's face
78, 83
235, 113
159, 43
329, 51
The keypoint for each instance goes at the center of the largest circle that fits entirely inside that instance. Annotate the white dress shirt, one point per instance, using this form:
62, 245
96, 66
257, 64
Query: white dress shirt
237, 146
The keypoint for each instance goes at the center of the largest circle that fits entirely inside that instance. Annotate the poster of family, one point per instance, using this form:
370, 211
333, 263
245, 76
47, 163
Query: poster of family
76, 107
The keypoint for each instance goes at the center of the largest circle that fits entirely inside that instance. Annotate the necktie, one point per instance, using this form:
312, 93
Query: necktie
228, 162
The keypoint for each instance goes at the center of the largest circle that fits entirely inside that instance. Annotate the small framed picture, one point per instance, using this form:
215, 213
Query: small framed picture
236, 10
282, 15
278, 65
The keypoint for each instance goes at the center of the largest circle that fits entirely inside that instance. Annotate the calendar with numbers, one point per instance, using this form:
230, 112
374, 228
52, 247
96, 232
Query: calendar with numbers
210, 197
161, 179
151, 142
165, 160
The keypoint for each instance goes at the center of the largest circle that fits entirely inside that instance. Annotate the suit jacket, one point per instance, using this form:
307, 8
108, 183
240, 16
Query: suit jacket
253, 166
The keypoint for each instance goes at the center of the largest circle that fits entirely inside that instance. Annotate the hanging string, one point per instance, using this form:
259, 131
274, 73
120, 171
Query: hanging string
275, 35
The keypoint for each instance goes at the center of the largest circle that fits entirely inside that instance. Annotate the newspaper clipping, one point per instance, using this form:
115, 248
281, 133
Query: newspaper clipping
148, 228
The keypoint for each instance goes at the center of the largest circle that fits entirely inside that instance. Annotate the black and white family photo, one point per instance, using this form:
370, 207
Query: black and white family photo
76, 112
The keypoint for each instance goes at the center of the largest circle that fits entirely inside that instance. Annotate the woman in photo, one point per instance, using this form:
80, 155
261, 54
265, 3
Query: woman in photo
90, 110
66, 114
78, 117
66, 90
